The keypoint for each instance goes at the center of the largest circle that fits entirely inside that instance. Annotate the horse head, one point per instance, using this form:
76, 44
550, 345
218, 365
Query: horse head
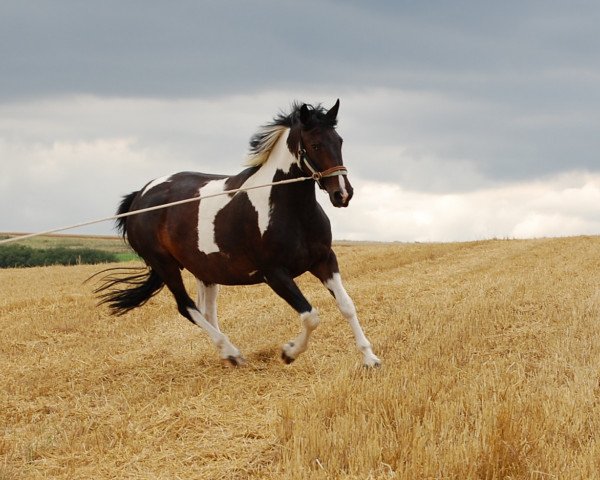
320, 152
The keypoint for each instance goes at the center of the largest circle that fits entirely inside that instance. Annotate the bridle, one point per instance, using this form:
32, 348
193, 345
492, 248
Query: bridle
317, 175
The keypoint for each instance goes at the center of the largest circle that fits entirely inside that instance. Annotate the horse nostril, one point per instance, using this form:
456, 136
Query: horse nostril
338, 196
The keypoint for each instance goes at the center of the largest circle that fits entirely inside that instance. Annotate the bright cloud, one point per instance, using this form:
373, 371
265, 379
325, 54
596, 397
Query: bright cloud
71, 159
563, 205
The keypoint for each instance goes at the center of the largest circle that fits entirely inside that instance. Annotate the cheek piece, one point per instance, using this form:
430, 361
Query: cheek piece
317, 175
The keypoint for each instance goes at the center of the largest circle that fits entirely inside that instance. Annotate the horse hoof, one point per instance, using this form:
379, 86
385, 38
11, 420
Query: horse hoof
286, 358
372, 363
235, 361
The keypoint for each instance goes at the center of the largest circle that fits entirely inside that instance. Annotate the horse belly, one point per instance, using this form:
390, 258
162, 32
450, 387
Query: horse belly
223, 269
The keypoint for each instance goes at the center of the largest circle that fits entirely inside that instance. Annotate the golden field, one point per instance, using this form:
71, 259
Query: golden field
491, 369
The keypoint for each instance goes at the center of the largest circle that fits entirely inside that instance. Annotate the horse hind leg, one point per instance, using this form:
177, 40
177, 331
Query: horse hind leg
169, 271
201, 297
207, 301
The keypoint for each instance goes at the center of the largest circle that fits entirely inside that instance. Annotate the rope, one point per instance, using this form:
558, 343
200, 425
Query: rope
156, 207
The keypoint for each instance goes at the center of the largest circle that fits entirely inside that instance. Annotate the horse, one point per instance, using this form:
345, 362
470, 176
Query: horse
264, 235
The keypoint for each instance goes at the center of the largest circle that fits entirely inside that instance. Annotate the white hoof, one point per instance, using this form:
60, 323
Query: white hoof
371, 361
229, 353
288, 353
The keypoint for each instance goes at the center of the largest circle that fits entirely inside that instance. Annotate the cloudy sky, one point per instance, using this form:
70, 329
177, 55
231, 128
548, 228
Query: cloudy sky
462, 120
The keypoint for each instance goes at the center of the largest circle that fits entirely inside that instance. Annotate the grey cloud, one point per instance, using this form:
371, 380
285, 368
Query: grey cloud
207, 48
436, 96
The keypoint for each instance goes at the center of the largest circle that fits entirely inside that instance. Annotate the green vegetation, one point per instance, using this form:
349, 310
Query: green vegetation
12, 256
64, 250
111, 244
126, 256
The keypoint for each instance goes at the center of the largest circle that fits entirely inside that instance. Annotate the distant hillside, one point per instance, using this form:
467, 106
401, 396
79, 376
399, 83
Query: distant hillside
64, 249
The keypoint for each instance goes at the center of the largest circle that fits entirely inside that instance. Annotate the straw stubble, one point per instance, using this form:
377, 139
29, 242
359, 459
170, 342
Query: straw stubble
491, 356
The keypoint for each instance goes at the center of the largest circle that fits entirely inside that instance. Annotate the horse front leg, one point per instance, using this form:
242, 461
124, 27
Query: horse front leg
328, 273
284, 286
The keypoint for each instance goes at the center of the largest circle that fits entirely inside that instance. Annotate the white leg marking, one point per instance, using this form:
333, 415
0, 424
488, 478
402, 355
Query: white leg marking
207, 302
200, 302
310, 321
210, 304
346, 306
227, 351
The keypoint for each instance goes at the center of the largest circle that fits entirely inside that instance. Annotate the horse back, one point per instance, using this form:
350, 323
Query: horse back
218, 239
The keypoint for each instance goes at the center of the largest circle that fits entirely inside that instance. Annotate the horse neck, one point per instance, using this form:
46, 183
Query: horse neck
280, 157
282, 164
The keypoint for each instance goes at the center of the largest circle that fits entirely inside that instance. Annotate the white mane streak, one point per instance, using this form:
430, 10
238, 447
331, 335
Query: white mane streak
268, 138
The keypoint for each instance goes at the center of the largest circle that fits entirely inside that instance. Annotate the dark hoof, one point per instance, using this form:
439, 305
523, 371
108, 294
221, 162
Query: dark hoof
286, 358
235, 361
372, 365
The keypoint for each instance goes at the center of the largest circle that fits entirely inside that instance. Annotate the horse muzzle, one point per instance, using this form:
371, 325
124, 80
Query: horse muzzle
340, 191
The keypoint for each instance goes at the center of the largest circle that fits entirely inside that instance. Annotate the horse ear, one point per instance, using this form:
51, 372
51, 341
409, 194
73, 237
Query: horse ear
304, 114
332, 113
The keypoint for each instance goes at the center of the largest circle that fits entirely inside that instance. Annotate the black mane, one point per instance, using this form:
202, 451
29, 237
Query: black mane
317, 119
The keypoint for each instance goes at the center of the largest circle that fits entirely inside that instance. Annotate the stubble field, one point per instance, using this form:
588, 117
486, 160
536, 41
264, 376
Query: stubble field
491, 369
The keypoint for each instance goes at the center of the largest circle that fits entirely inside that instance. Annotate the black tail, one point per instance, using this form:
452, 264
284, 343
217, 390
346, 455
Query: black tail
136, 289
124, 207
122, 292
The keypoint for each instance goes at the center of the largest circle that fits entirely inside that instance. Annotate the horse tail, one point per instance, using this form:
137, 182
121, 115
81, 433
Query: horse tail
124, 207
124, 293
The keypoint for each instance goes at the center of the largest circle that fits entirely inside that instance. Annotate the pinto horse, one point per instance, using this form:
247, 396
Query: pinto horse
271, 234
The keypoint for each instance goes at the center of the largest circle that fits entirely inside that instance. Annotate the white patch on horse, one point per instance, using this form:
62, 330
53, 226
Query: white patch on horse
207, 212
280, 158
156, 182
343, 188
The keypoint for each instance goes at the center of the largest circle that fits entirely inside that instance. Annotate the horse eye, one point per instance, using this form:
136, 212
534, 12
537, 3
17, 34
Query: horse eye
315, 146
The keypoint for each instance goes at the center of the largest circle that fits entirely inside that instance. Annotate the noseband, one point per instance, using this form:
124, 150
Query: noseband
316, 174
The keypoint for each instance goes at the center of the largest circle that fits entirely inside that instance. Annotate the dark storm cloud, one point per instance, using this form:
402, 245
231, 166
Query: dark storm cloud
188, 48
509, 89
